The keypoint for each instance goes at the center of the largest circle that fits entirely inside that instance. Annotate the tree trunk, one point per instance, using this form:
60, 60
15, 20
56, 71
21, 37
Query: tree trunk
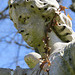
37, 20
61, 65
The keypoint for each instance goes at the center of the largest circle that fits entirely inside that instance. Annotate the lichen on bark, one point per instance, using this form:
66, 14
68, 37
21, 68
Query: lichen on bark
32, 18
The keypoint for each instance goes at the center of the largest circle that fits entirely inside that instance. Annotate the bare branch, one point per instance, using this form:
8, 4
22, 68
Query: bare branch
2, 15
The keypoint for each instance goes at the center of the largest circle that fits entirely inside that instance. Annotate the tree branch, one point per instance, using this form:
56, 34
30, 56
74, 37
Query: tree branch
43, 20
72, 7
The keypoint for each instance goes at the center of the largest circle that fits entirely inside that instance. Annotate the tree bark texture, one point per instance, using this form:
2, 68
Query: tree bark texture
37, 20
61, 65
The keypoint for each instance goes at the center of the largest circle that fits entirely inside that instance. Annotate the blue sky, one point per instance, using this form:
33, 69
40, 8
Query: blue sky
67, 3
8, 51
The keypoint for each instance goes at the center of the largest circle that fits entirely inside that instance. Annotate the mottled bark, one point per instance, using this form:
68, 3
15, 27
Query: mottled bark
61, 64
35, 20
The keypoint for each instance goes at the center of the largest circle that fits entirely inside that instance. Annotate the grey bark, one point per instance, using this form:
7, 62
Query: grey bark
61, 65
17, 71
30, 18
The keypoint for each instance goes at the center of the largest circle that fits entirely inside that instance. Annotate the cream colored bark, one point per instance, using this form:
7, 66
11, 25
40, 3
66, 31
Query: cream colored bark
30, 17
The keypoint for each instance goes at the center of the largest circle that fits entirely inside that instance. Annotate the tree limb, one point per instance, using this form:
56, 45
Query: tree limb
38, 20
